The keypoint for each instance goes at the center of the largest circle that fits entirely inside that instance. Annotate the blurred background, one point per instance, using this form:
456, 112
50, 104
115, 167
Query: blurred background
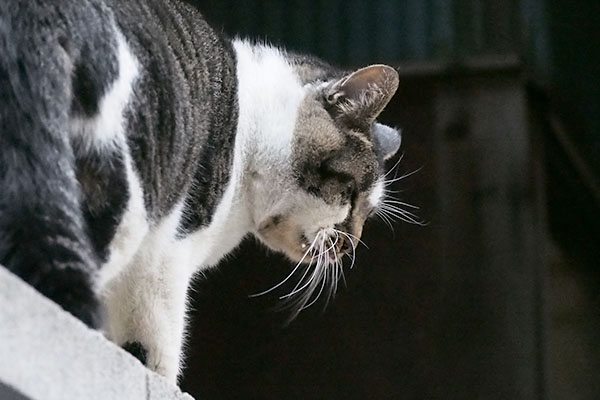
498, 297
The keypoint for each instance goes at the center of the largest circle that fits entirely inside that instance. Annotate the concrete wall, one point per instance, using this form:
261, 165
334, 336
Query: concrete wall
45, 353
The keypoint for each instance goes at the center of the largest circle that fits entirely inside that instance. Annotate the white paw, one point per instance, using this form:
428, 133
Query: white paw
165, 365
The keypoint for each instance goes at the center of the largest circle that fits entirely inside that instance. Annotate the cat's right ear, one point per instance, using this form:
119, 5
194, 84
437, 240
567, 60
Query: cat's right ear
362, 95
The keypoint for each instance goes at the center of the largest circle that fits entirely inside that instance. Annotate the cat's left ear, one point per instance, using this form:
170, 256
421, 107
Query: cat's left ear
387, 140
363, 94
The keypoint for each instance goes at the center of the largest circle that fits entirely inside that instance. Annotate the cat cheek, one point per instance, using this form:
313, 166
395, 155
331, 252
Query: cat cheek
285, 237
270, 223
274, 231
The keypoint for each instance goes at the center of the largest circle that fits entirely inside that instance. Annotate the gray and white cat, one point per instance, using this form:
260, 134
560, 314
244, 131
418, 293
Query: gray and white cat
138, 147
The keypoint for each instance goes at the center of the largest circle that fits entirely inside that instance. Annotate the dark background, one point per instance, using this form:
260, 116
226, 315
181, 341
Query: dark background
498, 296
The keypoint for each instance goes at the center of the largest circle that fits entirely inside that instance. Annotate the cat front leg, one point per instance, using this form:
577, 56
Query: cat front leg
146, 307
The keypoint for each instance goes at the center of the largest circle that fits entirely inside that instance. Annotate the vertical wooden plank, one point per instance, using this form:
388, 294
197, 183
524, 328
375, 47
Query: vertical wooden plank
301, 17
501, 37
388, 27
464, 26
442, 31
478, 24
359, 40
533, 15
247, 17
274, 21
329, 36
490, 239
416, 24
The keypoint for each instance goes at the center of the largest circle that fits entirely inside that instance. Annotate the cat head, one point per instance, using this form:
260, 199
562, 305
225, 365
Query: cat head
337, 161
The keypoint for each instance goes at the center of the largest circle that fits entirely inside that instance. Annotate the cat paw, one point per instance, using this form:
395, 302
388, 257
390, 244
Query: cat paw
161, 364
165, 365
137, 350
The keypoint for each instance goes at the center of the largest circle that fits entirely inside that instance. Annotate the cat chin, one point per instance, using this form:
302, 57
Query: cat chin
280, 234
294, 251
294, 245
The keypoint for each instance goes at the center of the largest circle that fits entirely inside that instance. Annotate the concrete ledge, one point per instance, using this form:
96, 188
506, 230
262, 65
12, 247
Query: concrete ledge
47, 354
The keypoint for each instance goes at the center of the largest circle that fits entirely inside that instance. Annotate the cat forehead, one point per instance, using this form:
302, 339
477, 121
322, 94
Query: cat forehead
318, 138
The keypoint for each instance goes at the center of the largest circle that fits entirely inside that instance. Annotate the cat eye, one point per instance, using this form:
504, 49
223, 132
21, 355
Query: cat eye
349, 192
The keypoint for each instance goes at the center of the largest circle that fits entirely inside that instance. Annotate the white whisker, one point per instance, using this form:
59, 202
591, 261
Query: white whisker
388, 201
384, 218
295, 289
390, 181
349, 237
291, 273
394, 166
403, 215
395, 208
298, 304
317, 296
357, 239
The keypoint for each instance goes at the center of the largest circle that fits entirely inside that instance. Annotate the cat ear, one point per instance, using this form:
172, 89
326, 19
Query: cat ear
363, 94
387, 140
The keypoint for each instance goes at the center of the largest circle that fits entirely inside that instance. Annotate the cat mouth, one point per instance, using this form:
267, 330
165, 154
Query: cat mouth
306, 247
319, 268
329, 243
304, 242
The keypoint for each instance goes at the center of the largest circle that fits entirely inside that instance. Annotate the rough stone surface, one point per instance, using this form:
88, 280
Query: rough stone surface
45, 353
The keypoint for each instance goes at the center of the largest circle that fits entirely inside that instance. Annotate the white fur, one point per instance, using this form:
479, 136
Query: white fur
106, 132
377, 193
146, 303
131, 230
269, 96
108, 127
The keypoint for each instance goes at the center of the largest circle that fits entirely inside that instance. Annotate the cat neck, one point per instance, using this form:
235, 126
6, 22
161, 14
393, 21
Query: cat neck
269, 95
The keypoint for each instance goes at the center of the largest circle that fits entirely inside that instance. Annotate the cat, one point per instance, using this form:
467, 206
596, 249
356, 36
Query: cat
138, 147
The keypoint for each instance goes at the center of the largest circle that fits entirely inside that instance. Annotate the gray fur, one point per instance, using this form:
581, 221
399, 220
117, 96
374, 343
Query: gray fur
183, 117
339, 151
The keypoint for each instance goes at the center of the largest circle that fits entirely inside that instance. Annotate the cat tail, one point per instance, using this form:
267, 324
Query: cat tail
43, 237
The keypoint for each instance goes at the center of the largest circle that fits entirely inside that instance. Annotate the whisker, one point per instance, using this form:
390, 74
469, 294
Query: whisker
400, 210
298, 304
385, 219
395, 165
291, 273
348, 236
317, 297
390, 181
341, 267
330, 275
389, 201
357, 238
340, 264
402, 215
296, 289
